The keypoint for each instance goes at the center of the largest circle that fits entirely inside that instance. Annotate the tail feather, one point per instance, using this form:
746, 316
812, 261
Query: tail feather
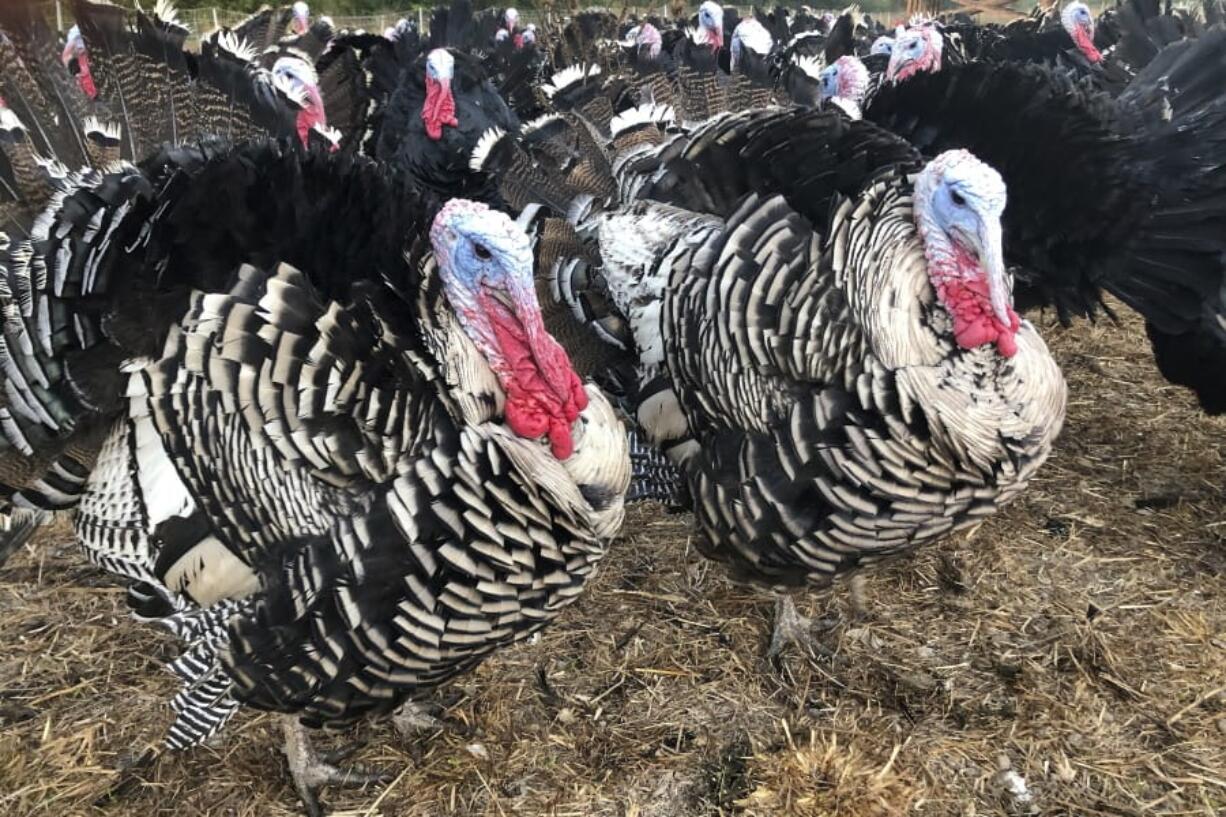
17, 527
160, 93
22, 92
521, 180
1176, 270
343, 85
263, 27
28, 182
1192, 72
47, 99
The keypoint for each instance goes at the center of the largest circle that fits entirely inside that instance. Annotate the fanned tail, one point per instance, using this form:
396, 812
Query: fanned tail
1176, 270
38, 89
159, 93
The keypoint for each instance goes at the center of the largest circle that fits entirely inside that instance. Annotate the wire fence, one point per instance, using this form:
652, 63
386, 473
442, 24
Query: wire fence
203, 20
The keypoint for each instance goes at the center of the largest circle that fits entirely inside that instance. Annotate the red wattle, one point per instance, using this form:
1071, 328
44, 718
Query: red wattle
84, 78
439, 109
312, 114
1086, 45
519, 41
975, 323
544, 395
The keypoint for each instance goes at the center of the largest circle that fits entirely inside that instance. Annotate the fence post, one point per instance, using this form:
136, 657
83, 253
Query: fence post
215, 23
59, 16
421, 21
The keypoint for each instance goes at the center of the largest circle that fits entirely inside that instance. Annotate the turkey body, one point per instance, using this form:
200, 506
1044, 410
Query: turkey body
1128, 201
791, 357
442, 164
308, 473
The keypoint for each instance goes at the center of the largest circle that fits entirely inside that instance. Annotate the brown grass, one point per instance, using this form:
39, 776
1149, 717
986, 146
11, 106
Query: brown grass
1076, 642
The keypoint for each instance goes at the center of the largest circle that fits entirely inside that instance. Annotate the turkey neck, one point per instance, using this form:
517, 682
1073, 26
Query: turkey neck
596, 474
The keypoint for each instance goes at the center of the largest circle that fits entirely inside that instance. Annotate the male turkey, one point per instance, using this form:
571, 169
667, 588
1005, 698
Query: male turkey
1132, 201
148, 91
1069, 38
157, 91
821, 333
323, 408
427, 100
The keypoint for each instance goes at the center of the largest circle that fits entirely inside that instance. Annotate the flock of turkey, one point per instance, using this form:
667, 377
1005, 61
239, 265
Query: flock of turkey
345, 350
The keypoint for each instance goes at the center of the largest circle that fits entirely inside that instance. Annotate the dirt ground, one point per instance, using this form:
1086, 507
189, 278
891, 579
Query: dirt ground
1066, 658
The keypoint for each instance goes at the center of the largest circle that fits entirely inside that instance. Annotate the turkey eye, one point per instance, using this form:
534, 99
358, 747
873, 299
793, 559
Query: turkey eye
481, 252
957, 197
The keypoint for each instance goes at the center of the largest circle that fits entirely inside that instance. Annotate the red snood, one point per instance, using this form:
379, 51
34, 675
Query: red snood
439, 109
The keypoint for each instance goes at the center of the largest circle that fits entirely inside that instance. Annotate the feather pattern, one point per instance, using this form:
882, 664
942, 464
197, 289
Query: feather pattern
789, 357
305, 469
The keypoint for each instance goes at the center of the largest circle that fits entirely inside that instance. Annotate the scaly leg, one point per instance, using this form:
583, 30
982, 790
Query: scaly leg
413, 718
791, 628
858, 585
311, 773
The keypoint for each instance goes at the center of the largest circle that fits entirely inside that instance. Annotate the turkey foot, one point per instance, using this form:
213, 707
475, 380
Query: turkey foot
792, 628
857, 586
311, 772
414, 718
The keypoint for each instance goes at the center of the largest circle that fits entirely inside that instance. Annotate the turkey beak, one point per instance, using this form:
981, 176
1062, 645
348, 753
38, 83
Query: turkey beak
990, 248
897, 61
70, 51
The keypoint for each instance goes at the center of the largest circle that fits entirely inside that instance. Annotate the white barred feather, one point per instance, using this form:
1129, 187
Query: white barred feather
567, 77
538, 123
9, 121
643, 114
812, 66
485, 144
235, 45
92, 124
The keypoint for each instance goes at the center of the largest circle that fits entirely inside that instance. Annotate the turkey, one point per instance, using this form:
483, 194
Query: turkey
76, 59
1108, 55
845, 84
701, 84
435, 117
301, 18
342, 458
149, 91
819, 332
1132, 202
159, 92
425, 101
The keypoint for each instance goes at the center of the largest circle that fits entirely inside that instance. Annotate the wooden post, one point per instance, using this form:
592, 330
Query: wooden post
421, 20
215, 23
59, 16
